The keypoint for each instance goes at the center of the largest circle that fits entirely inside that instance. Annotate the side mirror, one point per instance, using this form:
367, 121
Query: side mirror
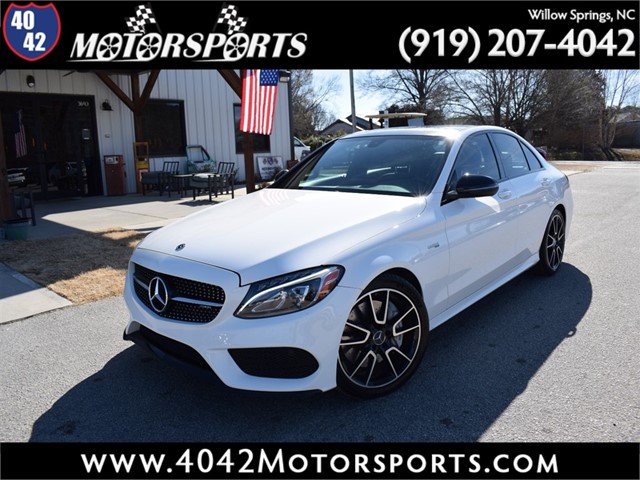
473, 186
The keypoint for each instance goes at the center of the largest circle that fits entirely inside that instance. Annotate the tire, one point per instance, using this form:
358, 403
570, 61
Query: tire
378, 353
552, 246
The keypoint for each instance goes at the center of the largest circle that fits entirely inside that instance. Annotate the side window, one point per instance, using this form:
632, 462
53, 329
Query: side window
534, 163
511, 155
475, 157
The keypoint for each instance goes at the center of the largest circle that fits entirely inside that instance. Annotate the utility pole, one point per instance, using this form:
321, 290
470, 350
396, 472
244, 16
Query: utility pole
353, 102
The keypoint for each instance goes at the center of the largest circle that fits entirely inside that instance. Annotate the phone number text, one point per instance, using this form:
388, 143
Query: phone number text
514, 43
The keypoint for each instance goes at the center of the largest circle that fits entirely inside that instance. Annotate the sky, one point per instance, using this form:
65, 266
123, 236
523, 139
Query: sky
339, 106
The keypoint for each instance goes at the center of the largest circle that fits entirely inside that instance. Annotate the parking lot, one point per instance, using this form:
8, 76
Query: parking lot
540, 360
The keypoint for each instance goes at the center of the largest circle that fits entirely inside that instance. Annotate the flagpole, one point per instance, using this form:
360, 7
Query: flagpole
247, 148
353, 102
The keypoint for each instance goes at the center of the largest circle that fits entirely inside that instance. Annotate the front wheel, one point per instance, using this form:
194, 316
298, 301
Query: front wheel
384, 338
552, 247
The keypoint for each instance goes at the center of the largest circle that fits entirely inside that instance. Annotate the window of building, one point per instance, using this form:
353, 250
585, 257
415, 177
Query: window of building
261, 143
163, 126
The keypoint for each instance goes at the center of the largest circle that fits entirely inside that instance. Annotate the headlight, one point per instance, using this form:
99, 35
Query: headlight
289, 293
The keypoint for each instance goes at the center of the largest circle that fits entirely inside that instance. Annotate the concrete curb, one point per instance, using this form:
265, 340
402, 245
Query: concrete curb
21, 297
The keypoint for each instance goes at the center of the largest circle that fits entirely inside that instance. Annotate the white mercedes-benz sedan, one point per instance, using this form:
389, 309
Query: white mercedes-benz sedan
334, 275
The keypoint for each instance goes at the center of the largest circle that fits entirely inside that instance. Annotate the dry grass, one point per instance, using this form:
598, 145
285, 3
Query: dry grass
82, 267
628, 154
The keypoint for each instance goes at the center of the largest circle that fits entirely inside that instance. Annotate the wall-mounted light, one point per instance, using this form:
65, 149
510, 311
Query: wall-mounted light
284, 76
31, 81
106, 106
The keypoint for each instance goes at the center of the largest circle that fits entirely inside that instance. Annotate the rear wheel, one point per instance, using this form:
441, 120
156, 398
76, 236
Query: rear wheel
384, 338
552, 247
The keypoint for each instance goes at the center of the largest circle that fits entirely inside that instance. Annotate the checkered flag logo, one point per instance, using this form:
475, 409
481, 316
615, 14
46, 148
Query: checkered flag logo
229, 16
144, 16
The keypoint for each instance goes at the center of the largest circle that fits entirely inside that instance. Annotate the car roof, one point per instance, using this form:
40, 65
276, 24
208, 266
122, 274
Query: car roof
450, 131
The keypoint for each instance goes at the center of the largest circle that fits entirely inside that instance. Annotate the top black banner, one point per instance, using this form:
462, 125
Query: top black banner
190, 34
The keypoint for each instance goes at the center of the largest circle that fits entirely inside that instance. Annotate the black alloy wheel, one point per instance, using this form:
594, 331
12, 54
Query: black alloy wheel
552, 247
384, 338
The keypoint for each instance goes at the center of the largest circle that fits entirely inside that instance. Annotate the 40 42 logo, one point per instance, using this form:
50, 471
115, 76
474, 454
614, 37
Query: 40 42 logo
31, 31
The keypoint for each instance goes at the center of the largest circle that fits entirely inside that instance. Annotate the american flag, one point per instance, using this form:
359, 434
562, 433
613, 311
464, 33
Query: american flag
20, 136
259, 89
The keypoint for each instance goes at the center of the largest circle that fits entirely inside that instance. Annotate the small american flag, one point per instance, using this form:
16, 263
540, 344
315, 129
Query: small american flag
259, 89
20, 136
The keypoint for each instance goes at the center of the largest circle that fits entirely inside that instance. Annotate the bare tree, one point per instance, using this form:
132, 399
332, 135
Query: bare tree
306, 101
481, 95
620, 88
423, 91
508, 98
572, 106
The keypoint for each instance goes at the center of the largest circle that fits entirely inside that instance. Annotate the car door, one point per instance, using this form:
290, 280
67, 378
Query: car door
531, 182
481, 231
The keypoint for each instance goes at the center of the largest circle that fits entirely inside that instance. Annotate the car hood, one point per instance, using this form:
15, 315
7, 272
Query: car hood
274, 231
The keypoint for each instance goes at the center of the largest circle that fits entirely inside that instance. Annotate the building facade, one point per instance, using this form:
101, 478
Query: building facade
56, 122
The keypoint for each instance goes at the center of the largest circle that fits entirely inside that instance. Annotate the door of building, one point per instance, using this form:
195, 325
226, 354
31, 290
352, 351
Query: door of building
51, 140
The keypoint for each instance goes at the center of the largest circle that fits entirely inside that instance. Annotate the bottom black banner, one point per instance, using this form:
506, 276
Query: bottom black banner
320, 460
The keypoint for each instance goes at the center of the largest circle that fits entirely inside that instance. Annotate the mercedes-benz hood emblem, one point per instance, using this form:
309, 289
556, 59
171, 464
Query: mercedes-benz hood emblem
158, 294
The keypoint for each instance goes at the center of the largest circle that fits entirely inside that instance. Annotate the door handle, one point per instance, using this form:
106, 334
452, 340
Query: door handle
505, 194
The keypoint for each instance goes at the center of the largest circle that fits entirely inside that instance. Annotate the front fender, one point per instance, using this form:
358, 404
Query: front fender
419, 247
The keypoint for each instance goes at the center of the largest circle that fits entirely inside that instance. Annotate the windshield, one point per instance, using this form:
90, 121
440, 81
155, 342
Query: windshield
393, 165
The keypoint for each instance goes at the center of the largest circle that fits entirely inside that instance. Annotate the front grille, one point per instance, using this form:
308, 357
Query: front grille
189, 301
277, 362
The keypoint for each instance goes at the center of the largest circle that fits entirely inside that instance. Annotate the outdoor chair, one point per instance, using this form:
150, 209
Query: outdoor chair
216, 183
226, 172
160, 180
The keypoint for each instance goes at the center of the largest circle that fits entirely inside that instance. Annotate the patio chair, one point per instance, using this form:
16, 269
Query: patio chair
160, 180
227, 173
216, 183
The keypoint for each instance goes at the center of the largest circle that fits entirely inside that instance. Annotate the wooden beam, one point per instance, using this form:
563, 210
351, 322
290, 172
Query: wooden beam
135, 88
249, 164
233, 80
137, 101
137, 112
146, 93
113, 86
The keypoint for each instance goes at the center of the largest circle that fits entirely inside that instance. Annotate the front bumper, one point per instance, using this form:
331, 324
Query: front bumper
294, 352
